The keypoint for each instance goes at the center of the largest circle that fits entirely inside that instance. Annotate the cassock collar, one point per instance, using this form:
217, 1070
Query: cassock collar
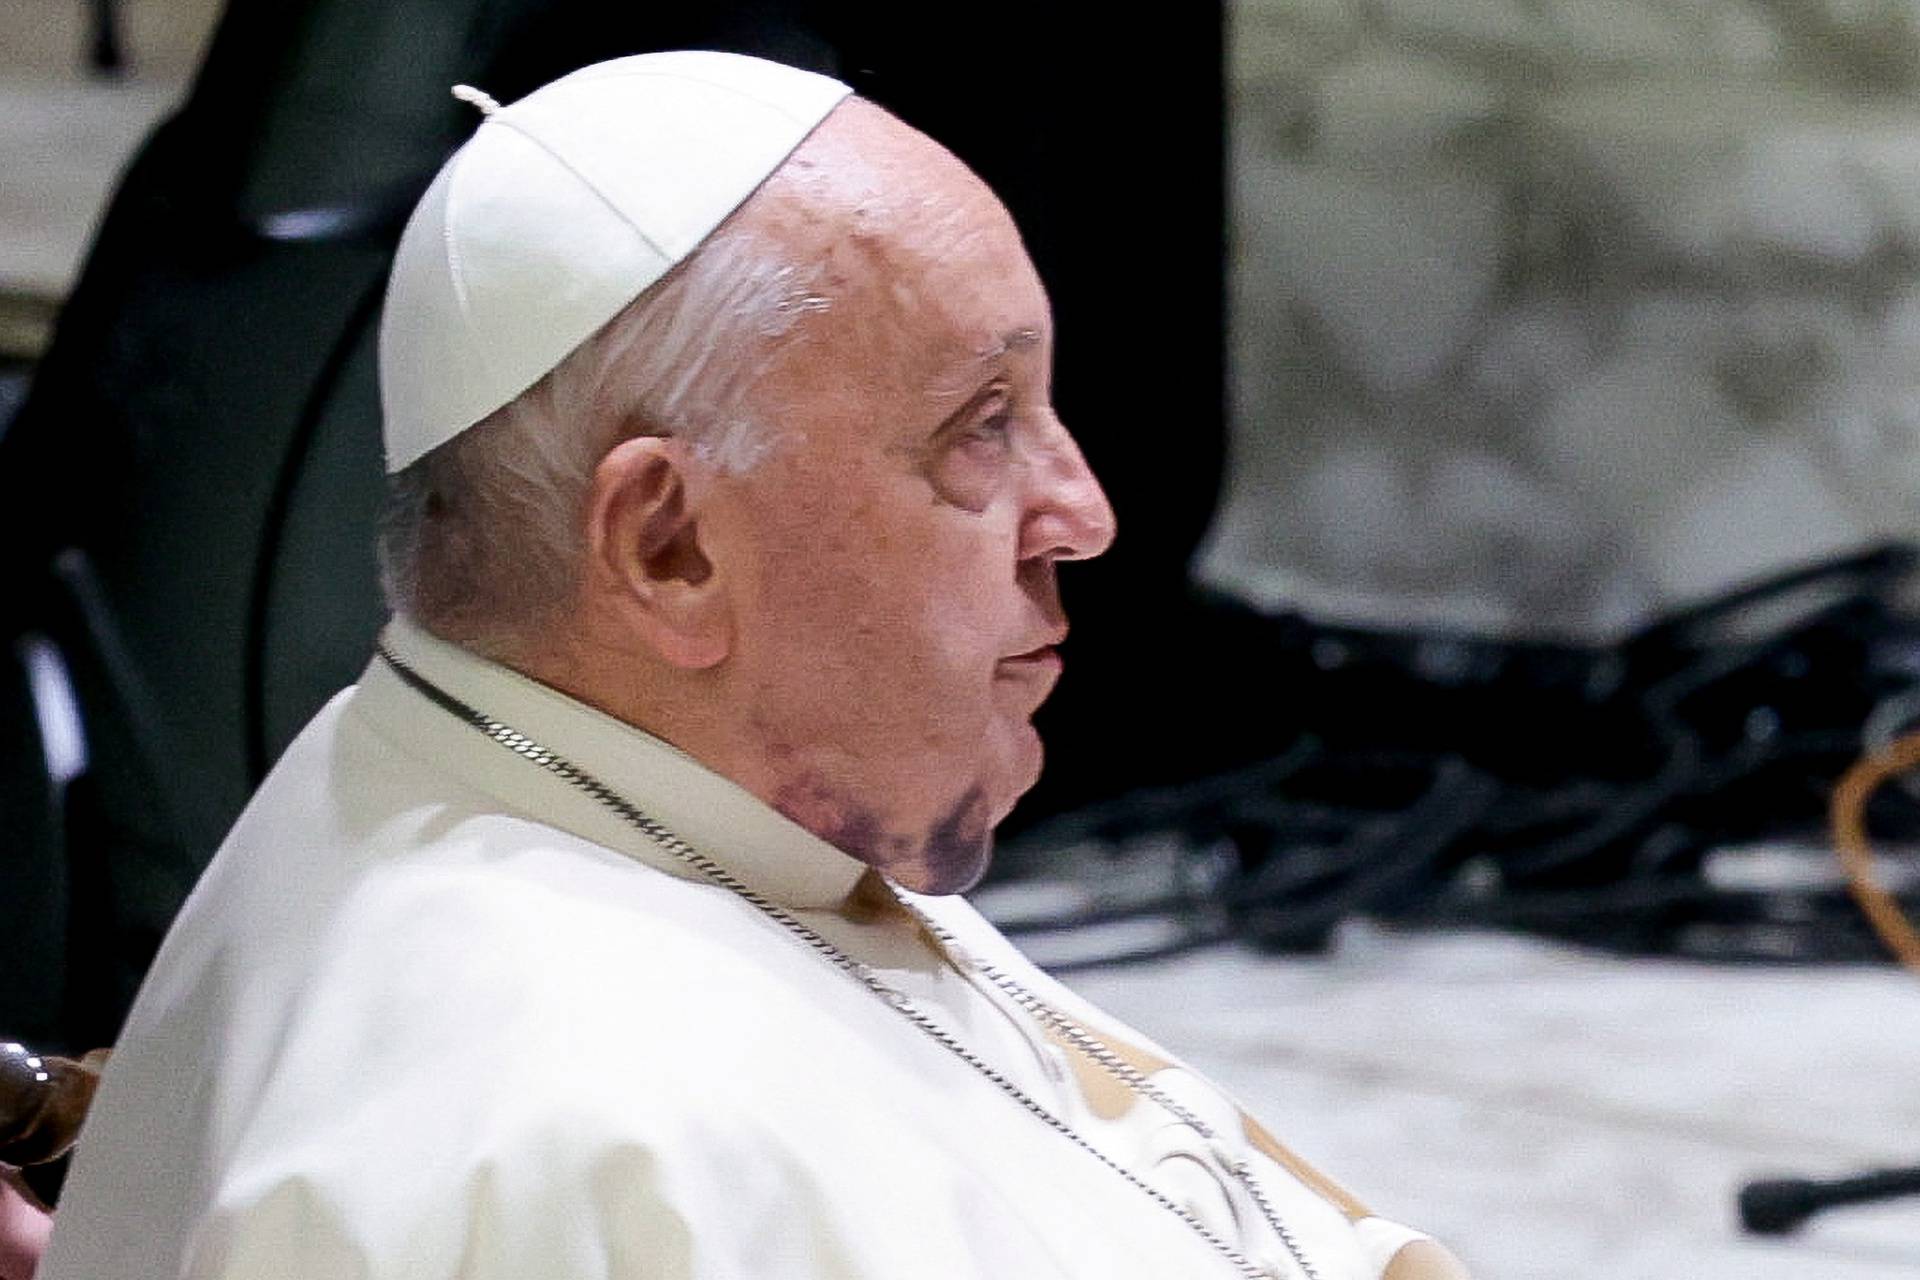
774, 855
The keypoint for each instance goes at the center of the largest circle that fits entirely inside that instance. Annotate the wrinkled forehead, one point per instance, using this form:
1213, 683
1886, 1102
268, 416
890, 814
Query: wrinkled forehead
866, 189
920, 272
930, 304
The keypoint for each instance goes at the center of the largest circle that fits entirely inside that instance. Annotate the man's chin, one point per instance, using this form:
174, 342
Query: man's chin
959, 847
1029, 756
939, 881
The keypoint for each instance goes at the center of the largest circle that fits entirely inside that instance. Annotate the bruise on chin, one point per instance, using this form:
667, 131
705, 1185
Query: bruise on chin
959, 844
951, 859
853, 828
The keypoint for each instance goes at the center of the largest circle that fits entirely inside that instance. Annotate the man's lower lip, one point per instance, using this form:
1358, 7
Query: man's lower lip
1038, 660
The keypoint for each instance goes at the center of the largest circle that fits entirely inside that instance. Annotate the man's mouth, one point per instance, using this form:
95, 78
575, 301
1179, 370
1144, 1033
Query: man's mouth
1043, 660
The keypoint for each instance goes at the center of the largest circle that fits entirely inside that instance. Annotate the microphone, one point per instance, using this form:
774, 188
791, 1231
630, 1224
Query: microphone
1778, 1206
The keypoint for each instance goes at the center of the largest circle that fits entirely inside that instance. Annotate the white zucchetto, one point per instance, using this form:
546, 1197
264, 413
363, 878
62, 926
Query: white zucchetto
562, 209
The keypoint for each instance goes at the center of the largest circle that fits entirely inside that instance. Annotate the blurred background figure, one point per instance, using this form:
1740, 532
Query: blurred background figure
1547, 572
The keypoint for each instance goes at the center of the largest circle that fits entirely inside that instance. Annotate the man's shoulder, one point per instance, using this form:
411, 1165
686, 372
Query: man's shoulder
502, 1017
533, 920
511, 940
381, 903
441, 952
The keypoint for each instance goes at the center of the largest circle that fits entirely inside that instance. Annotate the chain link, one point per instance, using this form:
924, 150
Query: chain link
1096, 1049
671, 843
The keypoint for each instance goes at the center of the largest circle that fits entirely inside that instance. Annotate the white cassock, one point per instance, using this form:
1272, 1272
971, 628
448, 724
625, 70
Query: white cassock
433, 1011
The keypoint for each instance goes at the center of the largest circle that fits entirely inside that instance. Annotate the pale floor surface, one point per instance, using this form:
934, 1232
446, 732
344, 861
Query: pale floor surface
1557, 1115
65, 134
62, 146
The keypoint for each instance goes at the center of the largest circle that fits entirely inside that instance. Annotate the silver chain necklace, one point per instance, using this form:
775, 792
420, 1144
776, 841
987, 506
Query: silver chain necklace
513, 740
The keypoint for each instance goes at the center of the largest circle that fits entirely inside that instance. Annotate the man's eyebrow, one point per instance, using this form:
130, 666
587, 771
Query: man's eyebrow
953, 420
1023, 339
962, 382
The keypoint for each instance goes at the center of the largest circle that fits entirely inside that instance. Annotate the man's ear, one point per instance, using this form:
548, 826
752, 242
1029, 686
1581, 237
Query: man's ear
645, 555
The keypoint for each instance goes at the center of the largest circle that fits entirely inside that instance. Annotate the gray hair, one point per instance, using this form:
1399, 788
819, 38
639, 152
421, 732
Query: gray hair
481, 539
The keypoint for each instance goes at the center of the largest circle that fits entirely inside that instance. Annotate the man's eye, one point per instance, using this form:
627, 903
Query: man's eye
992, 424
992, 429
976, 460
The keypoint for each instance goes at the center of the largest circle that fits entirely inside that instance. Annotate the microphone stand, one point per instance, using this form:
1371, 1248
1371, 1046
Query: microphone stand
1778, 1206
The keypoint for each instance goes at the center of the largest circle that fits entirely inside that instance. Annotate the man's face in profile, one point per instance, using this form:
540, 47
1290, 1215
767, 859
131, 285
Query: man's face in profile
900, 604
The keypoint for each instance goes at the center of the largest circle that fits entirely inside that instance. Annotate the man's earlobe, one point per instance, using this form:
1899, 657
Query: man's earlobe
648, 566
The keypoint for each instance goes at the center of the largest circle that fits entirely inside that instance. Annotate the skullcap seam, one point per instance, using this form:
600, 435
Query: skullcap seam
590, 185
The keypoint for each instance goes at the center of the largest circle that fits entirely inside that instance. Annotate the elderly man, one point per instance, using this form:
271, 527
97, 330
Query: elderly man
606, 928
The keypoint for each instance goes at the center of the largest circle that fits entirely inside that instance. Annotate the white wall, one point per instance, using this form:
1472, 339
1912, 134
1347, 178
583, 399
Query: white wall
1548, 313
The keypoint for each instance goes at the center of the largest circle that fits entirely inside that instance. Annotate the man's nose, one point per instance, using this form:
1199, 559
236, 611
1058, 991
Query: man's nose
1069, 517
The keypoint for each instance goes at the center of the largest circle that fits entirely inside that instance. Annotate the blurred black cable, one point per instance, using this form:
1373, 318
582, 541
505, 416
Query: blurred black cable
1722, 724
